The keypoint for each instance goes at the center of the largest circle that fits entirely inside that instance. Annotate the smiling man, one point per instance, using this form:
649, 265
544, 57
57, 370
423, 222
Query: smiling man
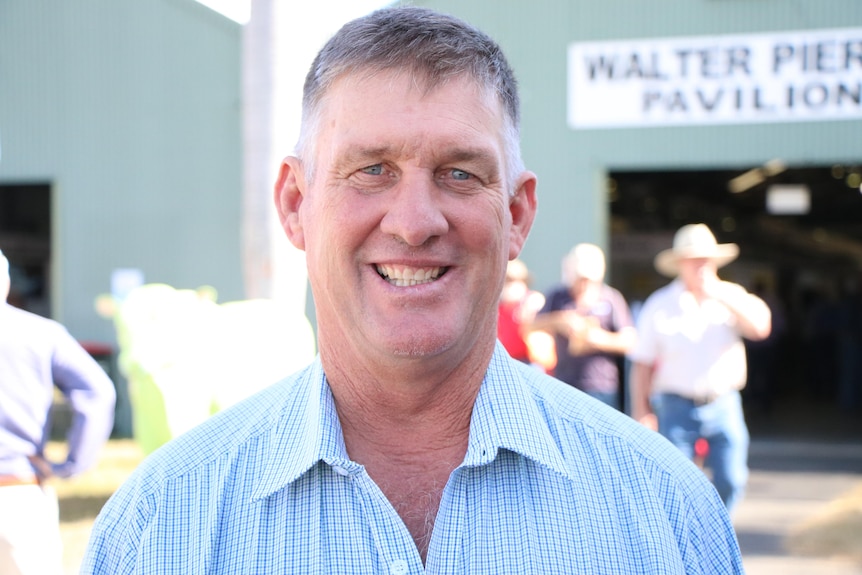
414, 442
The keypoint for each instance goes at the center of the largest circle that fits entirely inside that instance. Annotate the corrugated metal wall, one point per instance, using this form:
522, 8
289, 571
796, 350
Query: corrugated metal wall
131, 110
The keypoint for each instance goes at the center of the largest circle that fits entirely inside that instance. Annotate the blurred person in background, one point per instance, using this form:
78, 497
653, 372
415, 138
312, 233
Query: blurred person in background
591, 324
689, 361
518, 306
37, 354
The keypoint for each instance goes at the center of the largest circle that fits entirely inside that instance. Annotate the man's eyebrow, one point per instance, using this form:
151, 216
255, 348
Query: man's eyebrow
362, 154
455, 153
480, 155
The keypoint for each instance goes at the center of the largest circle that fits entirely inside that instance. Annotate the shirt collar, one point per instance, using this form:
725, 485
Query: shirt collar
306, 431
509, 415
506, 415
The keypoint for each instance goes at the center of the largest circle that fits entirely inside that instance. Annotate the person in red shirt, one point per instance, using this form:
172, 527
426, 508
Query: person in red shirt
518, 306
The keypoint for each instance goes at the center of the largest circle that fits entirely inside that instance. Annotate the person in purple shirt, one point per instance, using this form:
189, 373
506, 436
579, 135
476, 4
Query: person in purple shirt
591, 324
36, 354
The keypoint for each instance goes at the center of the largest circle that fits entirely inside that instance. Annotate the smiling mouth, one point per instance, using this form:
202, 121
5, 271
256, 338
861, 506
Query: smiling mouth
405, 276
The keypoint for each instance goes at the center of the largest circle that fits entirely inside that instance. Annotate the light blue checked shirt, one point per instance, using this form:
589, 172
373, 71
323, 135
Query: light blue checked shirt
553, 482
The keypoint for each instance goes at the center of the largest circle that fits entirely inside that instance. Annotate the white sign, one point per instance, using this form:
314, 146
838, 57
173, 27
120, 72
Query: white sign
788, 199
783, 77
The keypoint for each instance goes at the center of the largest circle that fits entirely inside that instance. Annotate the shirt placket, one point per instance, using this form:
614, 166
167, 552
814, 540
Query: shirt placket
395, 546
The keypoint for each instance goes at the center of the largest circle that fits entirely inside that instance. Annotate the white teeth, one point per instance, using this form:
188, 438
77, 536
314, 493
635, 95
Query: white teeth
403, 276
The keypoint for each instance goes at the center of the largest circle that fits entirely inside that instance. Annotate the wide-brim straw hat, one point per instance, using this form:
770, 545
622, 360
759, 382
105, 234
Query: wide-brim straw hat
694, 241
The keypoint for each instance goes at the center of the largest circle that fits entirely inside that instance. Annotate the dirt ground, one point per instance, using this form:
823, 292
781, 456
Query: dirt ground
835, 531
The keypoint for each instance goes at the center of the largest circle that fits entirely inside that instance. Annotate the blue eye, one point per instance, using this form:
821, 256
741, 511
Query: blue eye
460, 175
375, 170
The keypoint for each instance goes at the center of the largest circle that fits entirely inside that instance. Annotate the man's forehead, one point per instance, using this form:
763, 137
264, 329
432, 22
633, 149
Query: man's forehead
694, 262
369, 95
414, 80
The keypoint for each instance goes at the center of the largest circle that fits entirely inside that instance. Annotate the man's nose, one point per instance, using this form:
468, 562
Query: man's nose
414, 212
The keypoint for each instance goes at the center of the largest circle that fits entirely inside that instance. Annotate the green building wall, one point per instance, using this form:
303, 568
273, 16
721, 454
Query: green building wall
130, 110
572, 165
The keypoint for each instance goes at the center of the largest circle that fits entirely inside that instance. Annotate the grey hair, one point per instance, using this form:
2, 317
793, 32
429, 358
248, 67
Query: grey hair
431, 48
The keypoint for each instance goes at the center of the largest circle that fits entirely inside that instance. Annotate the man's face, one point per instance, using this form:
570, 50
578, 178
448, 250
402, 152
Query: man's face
406, 222
580, 285
695, 271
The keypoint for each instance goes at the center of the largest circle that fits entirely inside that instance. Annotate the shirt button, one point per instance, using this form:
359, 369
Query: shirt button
398, 567
340, 470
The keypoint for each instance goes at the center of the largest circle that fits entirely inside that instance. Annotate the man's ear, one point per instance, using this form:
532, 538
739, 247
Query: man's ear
522, 206
289, 194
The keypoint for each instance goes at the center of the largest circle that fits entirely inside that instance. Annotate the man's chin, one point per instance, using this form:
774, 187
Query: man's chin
419, 349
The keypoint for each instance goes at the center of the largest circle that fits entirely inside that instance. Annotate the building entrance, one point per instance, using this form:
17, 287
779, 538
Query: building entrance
25, 238
800, 235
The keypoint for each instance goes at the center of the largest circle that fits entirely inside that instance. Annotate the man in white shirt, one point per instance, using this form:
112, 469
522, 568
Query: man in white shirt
689, 359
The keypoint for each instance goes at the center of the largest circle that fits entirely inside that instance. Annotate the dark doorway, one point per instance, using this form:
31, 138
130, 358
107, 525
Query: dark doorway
807, 261
25, 238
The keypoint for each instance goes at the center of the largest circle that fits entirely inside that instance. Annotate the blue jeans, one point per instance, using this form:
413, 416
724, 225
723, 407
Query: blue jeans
722, 424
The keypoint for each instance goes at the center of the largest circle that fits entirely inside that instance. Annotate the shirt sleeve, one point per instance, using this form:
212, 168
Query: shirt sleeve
622, 315
119, 533
90, 395
710, 542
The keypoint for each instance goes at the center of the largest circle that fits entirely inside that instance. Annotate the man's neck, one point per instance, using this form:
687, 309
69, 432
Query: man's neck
696, 291
409, 430
410, 396
412, 420
409, 450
